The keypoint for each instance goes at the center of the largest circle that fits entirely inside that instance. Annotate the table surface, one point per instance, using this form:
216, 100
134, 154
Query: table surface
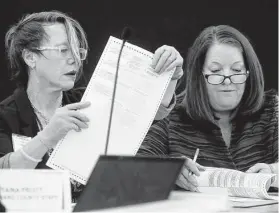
193, 202
268, 208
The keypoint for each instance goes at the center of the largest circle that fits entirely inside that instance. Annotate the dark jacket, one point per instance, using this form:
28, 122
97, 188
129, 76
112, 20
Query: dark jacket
17, 116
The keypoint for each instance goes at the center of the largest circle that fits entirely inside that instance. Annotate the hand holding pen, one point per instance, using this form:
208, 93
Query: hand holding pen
186, 178
195, 159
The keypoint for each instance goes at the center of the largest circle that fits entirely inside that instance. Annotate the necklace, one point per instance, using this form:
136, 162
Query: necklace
40, 114
42, 121
44, 117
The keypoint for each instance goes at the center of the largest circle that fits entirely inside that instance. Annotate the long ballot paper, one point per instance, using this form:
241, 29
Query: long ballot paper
138, 96
242, 187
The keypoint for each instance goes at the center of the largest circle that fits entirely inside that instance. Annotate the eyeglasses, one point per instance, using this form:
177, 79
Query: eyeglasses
65, 51
216, 79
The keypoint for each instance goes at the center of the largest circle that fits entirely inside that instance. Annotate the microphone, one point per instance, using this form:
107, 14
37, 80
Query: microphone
126, 33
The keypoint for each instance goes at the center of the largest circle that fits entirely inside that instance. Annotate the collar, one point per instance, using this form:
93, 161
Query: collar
25, 109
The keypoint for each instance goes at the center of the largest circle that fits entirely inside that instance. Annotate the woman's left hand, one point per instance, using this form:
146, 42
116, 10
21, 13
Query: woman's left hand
260, 168
264, 168
165, 59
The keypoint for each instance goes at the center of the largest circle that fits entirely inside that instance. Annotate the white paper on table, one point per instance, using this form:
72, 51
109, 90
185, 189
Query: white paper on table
244, 202
138, 96
240, 184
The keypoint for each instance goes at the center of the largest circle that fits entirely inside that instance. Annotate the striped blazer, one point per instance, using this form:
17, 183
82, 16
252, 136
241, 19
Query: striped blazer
254, 138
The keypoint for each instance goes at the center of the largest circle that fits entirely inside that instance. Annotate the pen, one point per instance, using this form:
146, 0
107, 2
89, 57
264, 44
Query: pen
196, 155
195, 158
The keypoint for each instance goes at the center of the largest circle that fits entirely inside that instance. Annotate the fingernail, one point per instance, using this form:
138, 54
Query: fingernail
195, 184
194, 189
193, 181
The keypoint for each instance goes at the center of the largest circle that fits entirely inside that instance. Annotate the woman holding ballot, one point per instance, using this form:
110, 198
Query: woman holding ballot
46, 52
224, 110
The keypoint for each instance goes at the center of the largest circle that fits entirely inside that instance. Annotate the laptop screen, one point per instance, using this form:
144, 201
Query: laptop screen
124, 180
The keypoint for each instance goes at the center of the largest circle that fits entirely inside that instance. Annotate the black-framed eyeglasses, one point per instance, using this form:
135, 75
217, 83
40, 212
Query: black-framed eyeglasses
216, 79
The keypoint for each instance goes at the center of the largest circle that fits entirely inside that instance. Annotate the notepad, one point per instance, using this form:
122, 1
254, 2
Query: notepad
241, 186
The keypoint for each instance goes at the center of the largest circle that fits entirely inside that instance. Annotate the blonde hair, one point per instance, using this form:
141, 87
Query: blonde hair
28, 34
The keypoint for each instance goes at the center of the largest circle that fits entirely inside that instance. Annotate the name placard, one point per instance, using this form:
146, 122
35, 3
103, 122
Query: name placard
35, 190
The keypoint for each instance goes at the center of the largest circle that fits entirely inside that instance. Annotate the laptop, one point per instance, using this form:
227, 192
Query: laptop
124, 180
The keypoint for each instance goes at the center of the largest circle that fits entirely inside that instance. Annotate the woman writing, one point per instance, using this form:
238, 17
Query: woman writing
224, 110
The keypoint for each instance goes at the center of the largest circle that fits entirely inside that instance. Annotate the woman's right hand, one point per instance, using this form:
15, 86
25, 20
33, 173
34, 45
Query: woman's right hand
64, 119
187, 178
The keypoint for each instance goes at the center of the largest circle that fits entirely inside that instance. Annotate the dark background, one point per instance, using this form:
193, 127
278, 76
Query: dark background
154, 23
